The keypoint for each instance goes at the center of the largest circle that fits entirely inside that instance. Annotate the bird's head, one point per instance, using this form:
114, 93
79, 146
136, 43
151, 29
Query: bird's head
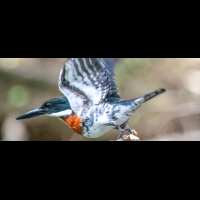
58, 107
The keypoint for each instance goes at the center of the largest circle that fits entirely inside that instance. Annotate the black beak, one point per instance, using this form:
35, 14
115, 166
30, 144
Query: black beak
33, 113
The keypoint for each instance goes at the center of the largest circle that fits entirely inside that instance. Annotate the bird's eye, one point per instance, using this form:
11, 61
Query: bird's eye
47, 105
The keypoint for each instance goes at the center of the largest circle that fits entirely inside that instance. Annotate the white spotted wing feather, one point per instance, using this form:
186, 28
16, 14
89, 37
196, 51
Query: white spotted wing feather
84, 83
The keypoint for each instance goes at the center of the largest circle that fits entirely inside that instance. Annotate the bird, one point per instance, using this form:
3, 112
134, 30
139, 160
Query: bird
91, 104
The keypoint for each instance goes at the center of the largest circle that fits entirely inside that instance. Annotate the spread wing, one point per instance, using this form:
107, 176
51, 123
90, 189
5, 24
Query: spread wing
108, 65
84, 82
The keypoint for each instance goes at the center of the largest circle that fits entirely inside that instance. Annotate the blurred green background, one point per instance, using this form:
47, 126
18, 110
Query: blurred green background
25, 83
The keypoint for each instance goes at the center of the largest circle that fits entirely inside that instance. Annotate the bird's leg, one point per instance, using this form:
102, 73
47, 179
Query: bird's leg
121, 131
128, 129
113, 123
117, 126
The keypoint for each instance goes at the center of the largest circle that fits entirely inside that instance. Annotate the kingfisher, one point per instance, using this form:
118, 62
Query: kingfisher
91, 106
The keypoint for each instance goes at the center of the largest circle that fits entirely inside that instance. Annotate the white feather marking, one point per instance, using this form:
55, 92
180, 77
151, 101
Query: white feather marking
80, 69
99, 128
89, 89
86, 66
90, 61
83, 83
61, 114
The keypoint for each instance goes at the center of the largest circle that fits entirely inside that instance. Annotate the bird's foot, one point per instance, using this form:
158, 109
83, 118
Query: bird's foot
117, 126
131, 137
122, 130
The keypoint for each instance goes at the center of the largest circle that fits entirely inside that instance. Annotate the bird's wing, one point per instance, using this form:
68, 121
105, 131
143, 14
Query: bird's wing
84, 82
108, 64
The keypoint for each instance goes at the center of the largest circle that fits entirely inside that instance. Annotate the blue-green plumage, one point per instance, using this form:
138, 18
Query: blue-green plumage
49, 107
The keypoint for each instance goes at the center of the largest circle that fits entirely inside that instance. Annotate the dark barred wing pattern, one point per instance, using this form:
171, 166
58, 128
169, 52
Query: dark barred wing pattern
108, 64
84, 82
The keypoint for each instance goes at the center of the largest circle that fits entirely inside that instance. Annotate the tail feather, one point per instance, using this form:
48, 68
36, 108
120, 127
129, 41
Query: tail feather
153, 94
136, 103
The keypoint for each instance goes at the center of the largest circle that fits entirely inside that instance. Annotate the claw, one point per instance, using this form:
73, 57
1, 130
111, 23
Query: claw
128, 129
121, 131
120, 134
113, 123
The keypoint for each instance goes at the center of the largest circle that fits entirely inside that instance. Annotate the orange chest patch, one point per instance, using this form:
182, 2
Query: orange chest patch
74, 123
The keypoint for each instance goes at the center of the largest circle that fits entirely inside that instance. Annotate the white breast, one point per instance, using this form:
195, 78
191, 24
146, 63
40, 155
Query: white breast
101, 116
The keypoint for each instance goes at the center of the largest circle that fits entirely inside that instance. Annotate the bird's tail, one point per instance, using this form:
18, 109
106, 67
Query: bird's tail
153, 94
130, 106
139, 101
